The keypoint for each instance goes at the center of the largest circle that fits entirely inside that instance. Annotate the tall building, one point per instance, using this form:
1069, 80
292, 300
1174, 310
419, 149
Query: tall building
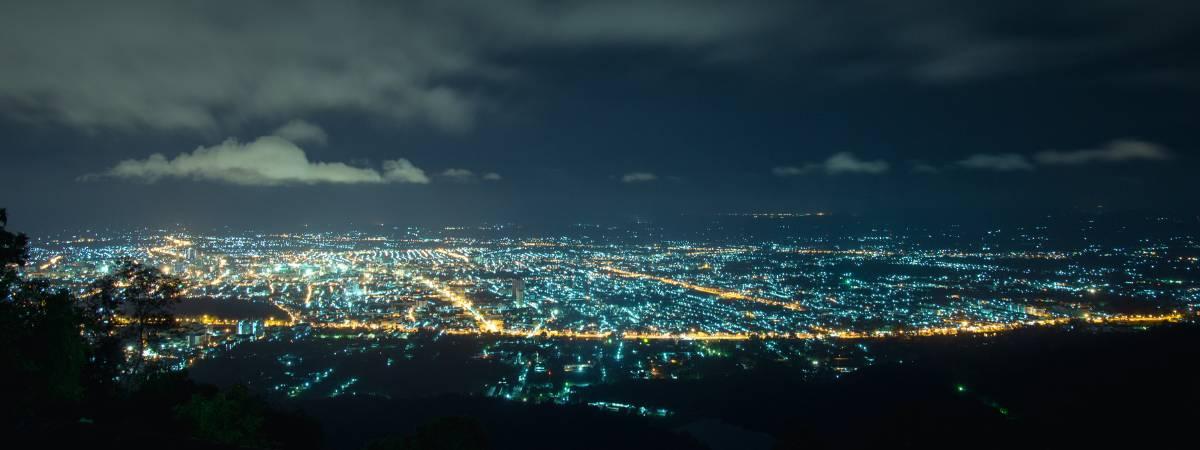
253, 328
197, 340
583, 283
245, 328
518, 291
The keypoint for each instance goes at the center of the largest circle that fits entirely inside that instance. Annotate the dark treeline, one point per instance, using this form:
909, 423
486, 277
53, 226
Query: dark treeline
77, 370
77, 374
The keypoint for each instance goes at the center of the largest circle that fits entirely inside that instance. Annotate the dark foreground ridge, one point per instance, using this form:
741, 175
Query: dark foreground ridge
1035, 388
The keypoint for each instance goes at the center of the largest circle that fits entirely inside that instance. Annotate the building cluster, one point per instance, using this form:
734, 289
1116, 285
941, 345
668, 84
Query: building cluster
586, 306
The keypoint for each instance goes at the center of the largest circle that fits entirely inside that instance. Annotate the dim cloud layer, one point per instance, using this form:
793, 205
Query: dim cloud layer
638, 177
836, 164
208, 65
468, 176
205, 66
1000, 162
1119, 150
1115, 151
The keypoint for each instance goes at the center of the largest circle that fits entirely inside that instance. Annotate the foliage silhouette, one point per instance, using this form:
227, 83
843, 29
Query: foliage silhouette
78, 370
445, 433
142, 296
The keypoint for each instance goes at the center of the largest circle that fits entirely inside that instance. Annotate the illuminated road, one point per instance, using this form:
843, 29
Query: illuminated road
722, 293
461, 301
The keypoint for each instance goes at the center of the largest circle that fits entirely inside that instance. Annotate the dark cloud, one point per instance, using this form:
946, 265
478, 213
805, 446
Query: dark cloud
199, 65
204, 65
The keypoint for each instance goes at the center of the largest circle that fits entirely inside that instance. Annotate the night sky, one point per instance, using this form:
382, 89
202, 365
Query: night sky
279, 114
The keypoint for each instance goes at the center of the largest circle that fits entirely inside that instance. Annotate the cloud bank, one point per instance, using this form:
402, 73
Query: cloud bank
999, 162
468, 176
206, 65
638, 177
266, 161
836, 164
403, 171
302, 132
1120, 150
1115, 151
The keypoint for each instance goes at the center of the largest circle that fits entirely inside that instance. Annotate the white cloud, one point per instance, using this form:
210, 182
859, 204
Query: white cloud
302, 132
459, 175
1115, 151
838, 163
999, 162
492, 176
267, 161
403, 171
846, 162
638, 177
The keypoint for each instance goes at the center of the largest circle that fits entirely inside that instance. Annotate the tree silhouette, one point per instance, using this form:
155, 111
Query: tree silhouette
13, 253
40, 344
66, 359
233, 417
445, 433
133, 304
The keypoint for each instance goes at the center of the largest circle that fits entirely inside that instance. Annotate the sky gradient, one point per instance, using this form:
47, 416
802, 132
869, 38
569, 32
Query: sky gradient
274, 114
